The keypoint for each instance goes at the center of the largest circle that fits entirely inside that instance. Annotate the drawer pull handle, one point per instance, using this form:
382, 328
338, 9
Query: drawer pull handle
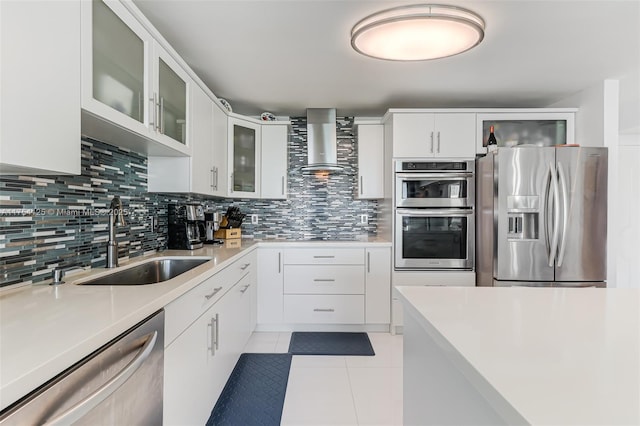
212, 324
217, 341
324, 280
215, 291
245, 288
324, 310
323, 257
246, 265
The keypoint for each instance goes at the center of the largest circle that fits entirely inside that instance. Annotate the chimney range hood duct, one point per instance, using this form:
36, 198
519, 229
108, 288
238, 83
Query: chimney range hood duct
322, 149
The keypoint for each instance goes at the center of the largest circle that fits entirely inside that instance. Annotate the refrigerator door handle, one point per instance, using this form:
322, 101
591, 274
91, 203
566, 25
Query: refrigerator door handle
556, 215
565, 213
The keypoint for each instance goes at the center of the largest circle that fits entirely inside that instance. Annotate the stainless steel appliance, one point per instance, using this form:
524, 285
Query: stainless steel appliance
434, 215
212, 224
435, 183
186, 226
542, 217
120, 384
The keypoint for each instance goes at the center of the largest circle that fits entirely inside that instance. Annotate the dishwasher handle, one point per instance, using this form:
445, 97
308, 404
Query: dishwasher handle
83, 407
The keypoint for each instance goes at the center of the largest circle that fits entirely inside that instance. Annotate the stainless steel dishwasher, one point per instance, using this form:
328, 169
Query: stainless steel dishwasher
119, 384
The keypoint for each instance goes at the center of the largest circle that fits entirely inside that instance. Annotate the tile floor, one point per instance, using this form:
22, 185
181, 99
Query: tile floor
340, 390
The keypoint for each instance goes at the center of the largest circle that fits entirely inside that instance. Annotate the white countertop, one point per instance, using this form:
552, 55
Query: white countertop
363, 242
45, 329
557, 356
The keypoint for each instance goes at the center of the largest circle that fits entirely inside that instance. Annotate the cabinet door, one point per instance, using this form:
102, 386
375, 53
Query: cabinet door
202, 172
370, 161
378, 286
455, 135
244, 158
274, 162
413, 135
115, 57
190, 381
229, 337
170, 87
39, 74
270, 289
220, 150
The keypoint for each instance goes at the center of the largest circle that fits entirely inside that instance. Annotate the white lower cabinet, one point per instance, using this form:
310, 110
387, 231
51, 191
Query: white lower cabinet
324, 285
323, 309
378, 285
320, 279
198, 362
192, 376
270, 285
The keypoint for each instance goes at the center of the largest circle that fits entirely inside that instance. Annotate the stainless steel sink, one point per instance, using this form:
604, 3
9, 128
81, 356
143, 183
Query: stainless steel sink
151, 272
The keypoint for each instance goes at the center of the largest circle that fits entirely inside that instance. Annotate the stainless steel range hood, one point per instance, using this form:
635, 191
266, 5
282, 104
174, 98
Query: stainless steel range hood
322, 142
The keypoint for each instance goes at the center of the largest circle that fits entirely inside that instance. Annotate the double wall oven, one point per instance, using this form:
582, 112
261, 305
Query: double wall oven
434, 215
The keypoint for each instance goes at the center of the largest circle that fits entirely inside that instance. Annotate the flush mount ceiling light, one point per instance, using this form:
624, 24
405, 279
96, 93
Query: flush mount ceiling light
417, 32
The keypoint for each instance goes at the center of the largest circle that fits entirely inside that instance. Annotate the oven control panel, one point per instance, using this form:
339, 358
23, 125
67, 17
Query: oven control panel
426, 166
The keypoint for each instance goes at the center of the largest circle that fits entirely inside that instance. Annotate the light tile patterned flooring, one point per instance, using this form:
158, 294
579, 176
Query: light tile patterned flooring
340, 390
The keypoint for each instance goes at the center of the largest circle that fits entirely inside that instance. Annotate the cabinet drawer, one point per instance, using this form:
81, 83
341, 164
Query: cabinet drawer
324, 256
183, 311
323, 279
180, 313
238, 269
324, 309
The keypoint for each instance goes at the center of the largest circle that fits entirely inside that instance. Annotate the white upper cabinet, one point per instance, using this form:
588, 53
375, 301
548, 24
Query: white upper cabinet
370, 139
202, 169
274, 161
170, 91
39, 74
131, 81
424, 134
244, 158
193, 174
220, 152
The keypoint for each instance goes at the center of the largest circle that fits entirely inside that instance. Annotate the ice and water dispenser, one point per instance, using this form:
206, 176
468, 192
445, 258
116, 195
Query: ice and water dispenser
523, 213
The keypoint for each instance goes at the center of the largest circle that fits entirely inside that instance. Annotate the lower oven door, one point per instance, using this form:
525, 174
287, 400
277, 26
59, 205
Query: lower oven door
434, 239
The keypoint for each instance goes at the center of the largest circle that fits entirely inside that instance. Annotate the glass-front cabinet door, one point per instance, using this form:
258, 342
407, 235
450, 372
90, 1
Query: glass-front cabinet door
131, 81
244, 158
171, 85
115, 79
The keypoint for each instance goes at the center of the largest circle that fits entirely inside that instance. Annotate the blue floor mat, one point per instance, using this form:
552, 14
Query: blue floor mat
254, 393
330, 343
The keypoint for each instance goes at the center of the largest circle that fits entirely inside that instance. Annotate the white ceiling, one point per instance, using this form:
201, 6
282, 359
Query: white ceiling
287, 55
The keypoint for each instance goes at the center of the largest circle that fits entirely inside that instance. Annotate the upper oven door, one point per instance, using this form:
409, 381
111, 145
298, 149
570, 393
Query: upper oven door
435, 189
434, 239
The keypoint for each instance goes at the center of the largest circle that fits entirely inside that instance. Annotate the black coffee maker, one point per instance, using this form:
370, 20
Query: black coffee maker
186, 226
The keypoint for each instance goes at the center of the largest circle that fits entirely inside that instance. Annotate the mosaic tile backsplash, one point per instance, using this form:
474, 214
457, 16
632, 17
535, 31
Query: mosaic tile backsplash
49, 222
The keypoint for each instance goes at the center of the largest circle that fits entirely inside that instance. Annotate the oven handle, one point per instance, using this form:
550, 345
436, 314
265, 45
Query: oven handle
434, 212
413, 176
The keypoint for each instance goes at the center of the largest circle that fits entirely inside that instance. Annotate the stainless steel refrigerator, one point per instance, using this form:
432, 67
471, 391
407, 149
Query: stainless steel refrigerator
542, 217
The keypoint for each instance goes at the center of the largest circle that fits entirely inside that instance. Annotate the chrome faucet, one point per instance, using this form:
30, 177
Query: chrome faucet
116, 218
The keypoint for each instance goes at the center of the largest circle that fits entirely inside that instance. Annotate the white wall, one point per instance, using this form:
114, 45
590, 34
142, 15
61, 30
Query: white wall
627, 212
598, 124
590, 116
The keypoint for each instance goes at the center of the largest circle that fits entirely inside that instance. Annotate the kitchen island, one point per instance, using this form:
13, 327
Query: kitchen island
518, 355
